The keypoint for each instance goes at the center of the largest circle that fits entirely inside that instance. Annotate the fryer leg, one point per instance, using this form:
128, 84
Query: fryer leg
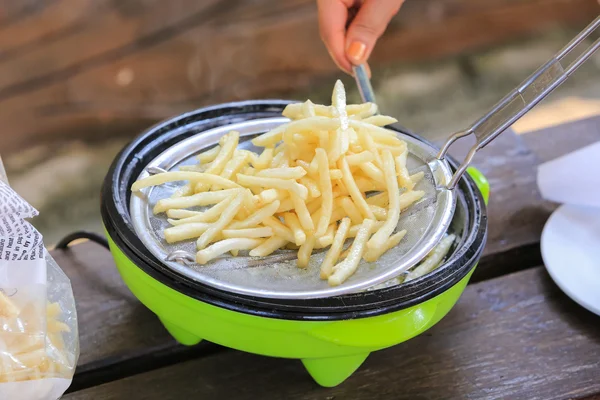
330, 372
181, 335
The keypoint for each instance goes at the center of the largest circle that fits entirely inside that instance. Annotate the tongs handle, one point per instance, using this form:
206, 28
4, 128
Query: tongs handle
529, 93
364, 84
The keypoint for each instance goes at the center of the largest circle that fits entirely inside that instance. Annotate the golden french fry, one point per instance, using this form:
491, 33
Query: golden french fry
433, 259
305, 251
346, 268
265, 159
279, 229
165, 177
185, 190
261, 232
210, 215
416, 178
292, 222
178, 213
336, 247
381, 199
351, 210
327, 238
379, 212
224, 219
186, 231
311, 185
303, 215
353, 190
257, 217
372, 172
404, 180
287, 204
326, 190
274, 183
314, 205
282, 173
409, 198
353, 231
379, 238
268, 246
235, 164
209, 155
373, 255
380, 120
360, 158
215, 250
230, 142
196, 200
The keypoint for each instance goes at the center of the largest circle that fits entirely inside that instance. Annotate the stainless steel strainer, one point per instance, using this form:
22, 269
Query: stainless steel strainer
277, 276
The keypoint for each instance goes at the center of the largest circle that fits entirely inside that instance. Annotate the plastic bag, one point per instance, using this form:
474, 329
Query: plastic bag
39, 344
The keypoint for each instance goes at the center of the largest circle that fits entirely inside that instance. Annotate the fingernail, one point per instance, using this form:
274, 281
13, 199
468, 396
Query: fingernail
356, 51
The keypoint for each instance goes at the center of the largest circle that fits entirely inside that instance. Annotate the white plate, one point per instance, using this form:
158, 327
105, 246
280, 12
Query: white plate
571, 252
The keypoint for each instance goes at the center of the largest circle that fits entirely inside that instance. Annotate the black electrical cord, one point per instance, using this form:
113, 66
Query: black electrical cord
63, 244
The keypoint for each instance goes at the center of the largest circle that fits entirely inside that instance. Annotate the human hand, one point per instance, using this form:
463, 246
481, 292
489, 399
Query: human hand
352, 44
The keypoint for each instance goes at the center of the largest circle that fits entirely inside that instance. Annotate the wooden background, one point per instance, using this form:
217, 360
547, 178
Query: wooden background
96, 68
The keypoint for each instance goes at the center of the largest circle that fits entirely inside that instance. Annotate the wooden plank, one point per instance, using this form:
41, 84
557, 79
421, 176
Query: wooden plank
103, 67
514, 337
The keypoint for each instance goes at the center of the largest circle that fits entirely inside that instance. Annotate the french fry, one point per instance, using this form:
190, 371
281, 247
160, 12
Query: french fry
186, 231
268, 246
305, 251
174, 176
285, 184
292, 222
196, 200
209, 215
209, 155
226, 217
282, 173
346, 268
336, 247
380, 120
279, 229
360, 158
257, 217
351, 210
353, 190
261, 232
326, 190
311, 185
372, 172
215, 250
433, 259
404, 180
327, 238
228, 144
372, 256
303, 214
265, 159
416, 177
376, 243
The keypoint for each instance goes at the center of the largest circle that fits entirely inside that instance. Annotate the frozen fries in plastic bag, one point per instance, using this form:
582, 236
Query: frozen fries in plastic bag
39, 343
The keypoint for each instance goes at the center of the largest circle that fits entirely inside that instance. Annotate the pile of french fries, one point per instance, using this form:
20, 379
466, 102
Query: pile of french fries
307, 190
29, 351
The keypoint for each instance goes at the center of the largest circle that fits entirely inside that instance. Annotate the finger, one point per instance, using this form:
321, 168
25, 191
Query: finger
333, 15
368, 25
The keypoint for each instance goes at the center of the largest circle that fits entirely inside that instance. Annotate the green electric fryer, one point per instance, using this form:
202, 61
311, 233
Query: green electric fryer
331, 335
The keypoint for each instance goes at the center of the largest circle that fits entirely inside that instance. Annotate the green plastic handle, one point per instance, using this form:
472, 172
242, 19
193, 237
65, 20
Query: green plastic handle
481, 182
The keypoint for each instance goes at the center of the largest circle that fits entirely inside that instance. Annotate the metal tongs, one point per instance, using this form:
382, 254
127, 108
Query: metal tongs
514, 105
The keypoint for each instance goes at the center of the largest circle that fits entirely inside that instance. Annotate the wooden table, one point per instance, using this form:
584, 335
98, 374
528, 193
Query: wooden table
512, 335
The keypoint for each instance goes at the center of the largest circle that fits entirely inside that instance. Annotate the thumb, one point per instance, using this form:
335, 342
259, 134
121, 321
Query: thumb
369, 24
